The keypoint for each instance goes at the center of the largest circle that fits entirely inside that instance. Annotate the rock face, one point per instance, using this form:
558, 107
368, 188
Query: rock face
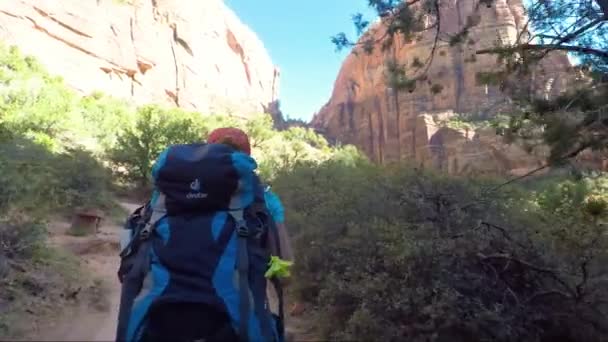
193, 54
392, 126
461, 151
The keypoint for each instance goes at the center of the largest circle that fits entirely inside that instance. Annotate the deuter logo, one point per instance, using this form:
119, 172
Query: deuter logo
196, 193
196, 185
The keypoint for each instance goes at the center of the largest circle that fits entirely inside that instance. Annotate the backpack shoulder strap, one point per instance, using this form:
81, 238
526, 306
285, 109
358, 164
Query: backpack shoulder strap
134, 260
132, 228
243, 269
138, 228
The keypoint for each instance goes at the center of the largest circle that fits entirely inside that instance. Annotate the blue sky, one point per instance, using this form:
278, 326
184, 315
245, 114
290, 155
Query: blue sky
297, 36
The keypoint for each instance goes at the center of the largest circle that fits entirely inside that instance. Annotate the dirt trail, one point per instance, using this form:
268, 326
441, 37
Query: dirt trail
98, 322
95, 318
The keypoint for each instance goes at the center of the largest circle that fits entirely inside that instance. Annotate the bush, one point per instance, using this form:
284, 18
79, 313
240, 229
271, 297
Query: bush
20, 237
38, 182
35, 279
48, 166
32, 101
40, 106
109, 116
155, 128
392, 254
280, 151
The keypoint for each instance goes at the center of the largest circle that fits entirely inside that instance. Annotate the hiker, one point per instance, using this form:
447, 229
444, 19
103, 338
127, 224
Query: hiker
198, 256
239, 140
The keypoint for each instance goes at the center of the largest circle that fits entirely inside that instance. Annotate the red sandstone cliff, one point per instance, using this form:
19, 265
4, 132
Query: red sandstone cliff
192, 54
405, 126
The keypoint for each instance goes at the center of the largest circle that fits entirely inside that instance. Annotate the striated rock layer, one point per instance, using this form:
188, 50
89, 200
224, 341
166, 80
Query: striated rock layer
392, 126
193, 54
461, 151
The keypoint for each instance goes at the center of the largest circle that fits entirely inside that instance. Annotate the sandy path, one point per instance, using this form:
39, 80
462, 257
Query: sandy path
88, 323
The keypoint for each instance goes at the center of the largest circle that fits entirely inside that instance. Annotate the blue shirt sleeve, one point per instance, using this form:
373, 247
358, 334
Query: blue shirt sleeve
275, 207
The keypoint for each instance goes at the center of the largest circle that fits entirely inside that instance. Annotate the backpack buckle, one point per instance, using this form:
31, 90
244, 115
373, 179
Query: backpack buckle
241, 229
145, 231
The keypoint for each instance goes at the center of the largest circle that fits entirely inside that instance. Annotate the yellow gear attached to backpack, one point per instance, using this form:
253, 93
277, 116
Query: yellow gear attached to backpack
278, 268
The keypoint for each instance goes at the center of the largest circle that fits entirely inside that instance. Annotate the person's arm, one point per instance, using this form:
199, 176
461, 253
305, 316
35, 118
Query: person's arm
284, 242
275, 207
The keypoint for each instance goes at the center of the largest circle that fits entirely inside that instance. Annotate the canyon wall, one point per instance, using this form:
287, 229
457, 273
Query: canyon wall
394, 126
192, 54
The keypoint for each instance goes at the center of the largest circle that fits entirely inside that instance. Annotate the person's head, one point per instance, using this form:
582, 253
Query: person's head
230, 136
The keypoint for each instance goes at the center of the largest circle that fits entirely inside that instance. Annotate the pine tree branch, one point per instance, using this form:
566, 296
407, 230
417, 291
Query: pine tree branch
436, 40
581, 30
392, 17
511, 49
567, 156
550, 272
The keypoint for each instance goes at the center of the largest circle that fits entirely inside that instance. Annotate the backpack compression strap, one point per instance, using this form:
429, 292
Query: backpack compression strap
243, 269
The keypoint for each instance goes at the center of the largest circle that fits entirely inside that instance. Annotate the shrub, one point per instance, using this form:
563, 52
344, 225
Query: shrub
393, 254
42, 107
155, 128
38, 181
109, 116
20, 237
139, 145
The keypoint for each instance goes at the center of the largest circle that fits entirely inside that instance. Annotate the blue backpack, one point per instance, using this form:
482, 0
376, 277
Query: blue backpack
202, 239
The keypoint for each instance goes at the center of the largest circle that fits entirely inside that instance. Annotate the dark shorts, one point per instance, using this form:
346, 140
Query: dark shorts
188, 322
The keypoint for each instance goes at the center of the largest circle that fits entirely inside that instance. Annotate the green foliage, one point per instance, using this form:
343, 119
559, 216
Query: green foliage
139, 145
108, 116
575, 26
436, 88
397, 79
5, 133
155, 128
472, 121
394, 254
349, 156
417, 63
575, 200
49, 141
32, 102
489, 77
39, 182
582, 22
34, 278
294, 146
40, 109
573, 121
20, 237
46, 170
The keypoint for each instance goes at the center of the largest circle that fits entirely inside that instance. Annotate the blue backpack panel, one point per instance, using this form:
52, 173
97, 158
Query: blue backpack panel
201, 239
